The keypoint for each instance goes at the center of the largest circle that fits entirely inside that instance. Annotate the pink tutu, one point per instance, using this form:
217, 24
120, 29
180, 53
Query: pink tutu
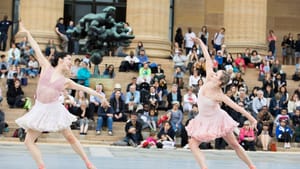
49, 117
211, 122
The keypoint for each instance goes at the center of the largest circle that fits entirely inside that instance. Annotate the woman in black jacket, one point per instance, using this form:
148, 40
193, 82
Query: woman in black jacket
15, 95
118, 105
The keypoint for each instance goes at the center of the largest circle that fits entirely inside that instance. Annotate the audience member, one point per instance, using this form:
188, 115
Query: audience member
132, 98
82, 111
109, 72
139, 48
118, 106
218, 39
83, 74
105, 113
284, 133
144, 74
32, 69
4, 66
258, 103
166, 136
264, 137
133, 129
255, 59
14, 55
4, 26
179, 39
15, 95
179, 60
174, 95
61, 31
189, 99
188, 40
178, 77
95, 102
131, 62
247, 137
175, 117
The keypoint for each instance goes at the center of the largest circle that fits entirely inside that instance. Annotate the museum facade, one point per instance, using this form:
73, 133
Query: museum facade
154, 22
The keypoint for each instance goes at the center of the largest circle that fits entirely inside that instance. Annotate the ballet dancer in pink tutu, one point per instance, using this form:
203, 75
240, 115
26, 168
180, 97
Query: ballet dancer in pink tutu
48, 114
213, 122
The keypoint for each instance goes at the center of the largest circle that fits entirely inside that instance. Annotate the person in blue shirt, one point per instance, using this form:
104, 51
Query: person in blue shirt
219, 59
83, 74
284, 133
4, 26
142, 58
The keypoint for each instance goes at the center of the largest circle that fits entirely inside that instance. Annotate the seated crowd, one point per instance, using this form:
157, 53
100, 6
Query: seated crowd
147, 105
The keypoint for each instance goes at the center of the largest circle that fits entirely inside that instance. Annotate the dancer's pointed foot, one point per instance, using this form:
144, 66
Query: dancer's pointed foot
252, 167
42, 166
90, 166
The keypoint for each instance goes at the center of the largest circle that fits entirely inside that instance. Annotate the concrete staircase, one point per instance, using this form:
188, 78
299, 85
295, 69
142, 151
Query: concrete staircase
121, 77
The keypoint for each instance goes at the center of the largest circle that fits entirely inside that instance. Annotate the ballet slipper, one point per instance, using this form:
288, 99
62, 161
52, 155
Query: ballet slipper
42, 166
90, 166
252, 167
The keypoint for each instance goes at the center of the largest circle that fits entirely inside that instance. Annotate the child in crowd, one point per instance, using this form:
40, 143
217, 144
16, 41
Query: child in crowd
150, 142
284, 133
265, 137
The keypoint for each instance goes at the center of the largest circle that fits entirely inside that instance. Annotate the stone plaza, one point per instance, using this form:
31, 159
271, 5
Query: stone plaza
16, 156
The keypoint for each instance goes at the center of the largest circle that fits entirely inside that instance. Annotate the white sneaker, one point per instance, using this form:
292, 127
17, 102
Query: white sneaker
3, 76
288, 145
186, 146
98, 132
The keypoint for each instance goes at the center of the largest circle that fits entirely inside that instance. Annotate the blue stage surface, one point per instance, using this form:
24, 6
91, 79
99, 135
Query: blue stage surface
16, 156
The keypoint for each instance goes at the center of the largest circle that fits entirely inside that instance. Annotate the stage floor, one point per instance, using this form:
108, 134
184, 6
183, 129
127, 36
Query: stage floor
16, 156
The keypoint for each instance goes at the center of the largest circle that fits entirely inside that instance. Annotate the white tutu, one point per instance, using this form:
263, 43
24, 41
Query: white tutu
49, 117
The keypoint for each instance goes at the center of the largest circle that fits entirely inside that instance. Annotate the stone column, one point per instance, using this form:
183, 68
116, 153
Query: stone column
149, 20
40, 18
245, 22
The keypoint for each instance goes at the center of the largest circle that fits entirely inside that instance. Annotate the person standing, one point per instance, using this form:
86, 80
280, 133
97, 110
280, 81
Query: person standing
61, 31
4, 26
188, 39
272, 40
213, 122
48, 114
218, 40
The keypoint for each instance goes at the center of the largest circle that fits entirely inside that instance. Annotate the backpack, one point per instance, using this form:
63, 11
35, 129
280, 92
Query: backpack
123, 66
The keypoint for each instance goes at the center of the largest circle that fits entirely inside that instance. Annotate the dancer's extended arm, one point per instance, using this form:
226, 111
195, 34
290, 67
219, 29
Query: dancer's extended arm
37, 50
72, 85
238, 108
208, 60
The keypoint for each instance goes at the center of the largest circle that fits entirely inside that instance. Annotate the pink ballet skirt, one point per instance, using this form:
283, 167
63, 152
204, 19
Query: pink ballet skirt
212, 122
49, 117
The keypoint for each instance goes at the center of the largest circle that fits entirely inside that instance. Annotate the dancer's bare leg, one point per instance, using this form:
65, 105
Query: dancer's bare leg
232, 141
77, 147
199, 156
31, 136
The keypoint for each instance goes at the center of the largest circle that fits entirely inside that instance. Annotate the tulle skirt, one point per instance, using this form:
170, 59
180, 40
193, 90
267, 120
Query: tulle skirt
49, 117
206, 128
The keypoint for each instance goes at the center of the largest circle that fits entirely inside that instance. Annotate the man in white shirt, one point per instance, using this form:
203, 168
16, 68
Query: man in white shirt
258, 103
188, 39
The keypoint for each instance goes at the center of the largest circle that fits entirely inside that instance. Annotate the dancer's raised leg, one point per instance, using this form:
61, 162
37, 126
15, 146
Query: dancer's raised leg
77, 147
233, 143
30, 138
199, 156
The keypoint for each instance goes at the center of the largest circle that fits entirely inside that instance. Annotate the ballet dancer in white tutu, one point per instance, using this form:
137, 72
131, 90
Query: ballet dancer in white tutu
48, 114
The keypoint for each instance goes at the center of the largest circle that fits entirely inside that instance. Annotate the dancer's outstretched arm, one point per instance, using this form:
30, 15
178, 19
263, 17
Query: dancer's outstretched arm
238, 108
72, 85
37, 50
208, 60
